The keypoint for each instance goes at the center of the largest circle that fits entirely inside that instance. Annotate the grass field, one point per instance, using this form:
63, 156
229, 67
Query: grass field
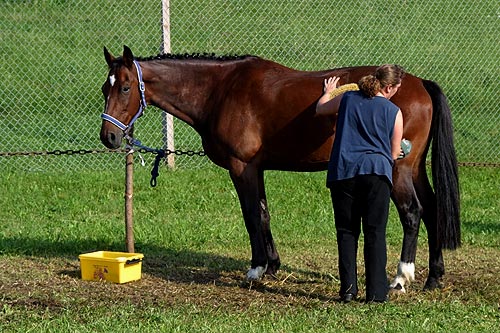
190, 227
196, 254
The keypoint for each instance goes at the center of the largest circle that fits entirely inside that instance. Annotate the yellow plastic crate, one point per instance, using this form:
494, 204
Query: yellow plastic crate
118, 267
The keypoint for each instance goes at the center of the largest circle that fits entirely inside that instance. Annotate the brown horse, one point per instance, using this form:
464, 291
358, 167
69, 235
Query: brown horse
254, 115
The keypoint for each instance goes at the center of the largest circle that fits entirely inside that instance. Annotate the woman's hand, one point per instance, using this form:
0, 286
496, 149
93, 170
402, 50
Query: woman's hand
325, 105
330, 84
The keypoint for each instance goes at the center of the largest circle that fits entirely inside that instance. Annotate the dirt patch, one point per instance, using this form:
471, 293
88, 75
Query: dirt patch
55, 284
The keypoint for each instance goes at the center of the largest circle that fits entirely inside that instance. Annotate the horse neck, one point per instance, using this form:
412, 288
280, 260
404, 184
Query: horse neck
182, 87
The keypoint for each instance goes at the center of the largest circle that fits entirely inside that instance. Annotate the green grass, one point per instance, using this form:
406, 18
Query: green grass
190, 227
196, 253
423, 317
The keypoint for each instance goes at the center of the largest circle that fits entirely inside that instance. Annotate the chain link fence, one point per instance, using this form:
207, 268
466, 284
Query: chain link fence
53, 67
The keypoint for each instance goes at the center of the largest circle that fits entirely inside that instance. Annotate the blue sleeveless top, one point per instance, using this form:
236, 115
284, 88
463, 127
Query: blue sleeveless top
362, 143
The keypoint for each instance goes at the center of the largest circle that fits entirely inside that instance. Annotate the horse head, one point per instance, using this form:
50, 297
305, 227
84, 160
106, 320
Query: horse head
124, 98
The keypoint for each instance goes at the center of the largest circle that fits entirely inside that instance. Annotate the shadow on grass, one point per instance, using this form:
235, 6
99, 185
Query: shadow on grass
164, 262
180, 266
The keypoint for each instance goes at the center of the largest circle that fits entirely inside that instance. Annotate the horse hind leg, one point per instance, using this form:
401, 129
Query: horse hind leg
429, 216
416, 201
409, 209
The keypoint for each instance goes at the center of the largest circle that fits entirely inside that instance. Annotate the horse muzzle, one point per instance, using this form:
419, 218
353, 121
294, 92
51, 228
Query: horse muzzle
111, 136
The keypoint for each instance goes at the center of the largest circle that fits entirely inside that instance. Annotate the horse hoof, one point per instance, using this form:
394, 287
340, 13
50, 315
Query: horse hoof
255, 274
397, 289
432, 284
397, 286
272, 268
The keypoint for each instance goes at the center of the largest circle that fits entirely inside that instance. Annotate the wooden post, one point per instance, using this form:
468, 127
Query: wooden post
167, 119
129, 208
168, 139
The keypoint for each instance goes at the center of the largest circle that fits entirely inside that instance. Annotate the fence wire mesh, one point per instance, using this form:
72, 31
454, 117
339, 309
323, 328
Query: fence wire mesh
52, 64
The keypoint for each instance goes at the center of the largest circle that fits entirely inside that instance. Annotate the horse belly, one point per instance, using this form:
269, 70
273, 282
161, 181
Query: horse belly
307, 150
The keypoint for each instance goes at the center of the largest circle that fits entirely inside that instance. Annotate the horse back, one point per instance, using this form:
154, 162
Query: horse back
267, 115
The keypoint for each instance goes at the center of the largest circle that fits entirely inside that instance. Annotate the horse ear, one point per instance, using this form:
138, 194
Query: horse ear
109, 57
128, 57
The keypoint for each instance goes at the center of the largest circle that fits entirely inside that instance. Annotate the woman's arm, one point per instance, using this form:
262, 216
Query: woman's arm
397, 136
326, 105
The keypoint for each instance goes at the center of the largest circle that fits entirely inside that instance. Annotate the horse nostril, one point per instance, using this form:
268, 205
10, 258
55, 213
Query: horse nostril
114, 140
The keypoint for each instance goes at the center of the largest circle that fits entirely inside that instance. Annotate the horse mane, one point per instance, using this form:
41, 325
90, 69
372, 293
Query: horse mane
195, 56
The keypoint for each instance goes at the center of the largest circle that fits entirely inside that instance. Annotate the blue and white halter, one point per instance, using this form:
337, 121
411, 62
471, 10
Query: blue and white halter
140, 111
126, 128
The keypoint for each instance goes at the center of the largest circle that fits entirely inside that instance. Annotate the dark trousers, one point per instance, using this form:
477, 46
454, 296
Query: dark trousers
362, 201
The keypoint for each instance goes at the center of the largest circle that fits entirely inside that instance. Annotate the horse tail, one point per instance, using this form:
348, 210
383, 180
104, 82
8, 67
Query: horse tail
444, 169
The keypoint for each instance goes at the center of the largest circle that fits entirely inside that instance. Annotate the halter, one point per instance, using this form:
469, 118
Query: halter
126, 128
140, 111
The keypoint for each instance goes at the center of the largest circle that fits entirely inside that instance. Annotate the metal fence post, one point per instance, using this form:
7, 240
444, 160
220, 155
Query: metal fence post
167, 119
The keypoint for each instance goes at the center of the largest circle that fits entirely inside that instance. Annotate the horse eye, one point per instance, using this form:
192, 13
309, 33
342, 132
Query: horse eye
126, 89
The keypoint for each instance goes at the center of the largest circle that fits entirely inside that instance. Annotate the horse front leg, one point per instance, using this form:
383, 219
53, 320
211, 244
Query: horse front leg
409, 209
273, 259
248, 182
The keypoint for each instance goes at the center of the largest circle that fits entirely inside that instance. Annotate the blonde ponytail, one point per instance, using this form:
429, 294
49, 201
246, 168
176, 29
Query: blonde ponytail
369, 85
384, 76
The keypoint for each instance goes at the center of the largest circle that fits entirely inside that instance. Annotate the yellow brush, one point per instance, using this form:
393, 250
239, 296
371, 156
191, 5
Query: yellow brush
343, 88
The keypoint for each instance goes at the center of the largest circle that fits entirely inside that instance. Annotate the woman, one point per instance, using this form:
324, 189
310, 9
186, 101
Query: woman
367, 141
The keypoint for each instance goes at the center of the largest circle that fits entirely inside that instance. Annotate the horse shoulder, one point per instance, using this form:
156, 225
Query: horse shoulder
242, 106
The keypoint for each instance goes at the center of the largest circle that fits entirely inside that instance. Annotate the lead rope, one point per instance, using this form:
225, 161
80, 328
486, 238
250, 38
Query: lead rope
155, 172
156, 167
